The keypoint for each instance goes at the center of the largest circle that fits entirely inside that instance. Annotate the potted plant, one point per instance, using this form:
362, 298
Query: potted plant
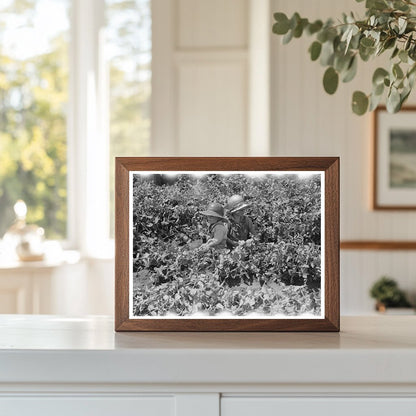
389, 27
387, 294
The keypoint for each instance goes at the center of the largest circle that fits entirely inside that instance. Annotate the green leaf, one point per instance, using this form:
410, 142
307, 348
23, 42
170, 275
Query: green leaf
351, 71
395, 52
322, 36
403, 56
374, 102
314, 27
379, 75
330, 80
408, 42
376, 4
367, 42
393, 101
389, 43
378, 89
397, 71
298, 30
404, 95
315, 50
400, 5
281, 27
359, 103
342, 62
327, 53
294, 20
288, 37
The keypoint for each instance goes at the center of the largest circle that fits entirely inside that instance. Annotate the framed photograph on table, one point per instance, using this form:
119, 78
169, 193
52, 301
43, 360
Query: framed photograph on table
227, 244
394, 177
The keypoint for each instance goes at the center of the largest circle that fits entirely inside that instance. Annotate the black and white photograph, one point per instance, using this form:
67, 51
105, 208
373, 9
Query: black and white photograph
226, 244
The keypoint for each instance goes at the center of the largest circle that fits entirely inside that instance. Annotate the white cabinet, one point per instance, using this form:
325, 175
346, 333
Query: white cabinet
52, 365
88, 406
270, 406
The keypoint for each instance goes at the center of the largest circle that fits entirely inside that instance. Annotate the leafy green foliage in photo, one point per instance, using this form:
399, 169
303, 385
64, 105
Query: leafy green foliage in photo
388, 28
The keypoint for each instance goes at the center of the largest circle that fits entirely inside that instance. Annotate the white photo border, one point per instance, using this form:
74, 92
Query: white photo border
230, 316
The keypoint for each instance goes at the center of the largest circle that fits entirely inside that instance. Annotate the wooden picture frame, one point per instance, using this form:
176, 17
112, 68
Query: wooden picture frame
130, 173
394, 146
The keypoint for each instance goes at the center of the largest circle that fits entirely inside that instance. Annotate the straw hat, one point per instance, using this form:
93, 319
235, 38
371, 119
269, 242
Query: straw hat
236, 203
214, 210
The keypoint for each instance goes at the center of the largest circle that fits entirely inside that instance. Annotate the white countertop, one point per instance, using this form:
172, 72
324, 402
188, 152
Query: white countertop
53, 349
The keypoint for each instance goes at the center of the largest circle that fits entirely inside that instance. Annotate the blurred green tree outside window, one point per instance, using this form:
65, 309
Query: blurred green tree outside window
33, 100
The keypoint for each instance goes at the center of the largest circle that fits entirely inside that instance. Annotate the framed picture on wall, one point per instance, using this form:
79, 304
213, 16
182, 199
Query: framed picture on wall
394, 177
227, 244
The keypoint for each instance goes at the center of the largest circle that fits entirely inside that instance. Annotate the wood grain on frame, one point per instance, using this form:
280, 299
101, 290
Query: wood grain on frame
375, 204
329, 165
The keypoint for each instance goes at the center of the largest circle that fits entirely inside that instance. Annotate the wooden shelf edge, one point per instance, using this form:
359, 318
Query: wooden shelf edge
378, 245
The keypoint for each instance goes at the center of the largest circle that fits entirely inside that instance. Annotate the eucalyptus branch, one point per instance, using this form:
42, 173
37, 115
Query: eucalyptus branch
388, 26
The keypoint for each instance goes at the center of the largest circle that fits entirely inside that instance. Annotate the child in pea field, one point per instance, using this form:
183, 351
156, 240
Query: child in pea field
218, 227
241, 227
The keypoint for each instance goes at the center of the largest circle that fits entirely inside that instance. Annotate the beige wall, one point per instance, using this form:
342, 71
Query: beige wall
219, 77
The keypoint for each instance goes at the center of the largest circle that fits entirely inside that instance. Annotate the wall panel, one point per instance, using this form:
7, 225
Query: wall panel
212, 24
212, 108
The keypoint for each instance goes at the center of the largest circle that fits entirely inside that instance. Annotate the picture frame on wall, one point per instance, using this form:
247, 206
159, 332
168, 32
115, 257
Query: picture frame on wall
394, 166
227, 244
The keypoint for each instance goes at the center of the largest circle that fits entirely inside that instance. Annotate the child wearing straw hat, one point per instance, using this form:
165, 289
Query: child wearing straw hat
218, 227
241, 227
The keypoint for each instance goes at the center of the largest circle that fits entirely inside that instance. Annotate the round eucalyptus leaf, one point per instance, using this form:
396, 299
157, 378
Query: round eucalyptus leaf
379, 75
365, 53
281, 26
367, 42
359, 103
314, 27
322, 36
342, 61
315, 50
330, 80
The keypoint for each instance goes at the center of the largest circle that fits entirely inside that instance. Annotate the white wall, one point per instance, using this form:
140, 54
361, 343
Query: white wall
308, 122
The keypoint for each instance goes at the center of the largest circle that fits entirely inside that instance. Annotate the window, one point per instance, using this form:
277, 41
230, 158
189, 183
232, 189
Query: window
75, 87
33, 97
129, 46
